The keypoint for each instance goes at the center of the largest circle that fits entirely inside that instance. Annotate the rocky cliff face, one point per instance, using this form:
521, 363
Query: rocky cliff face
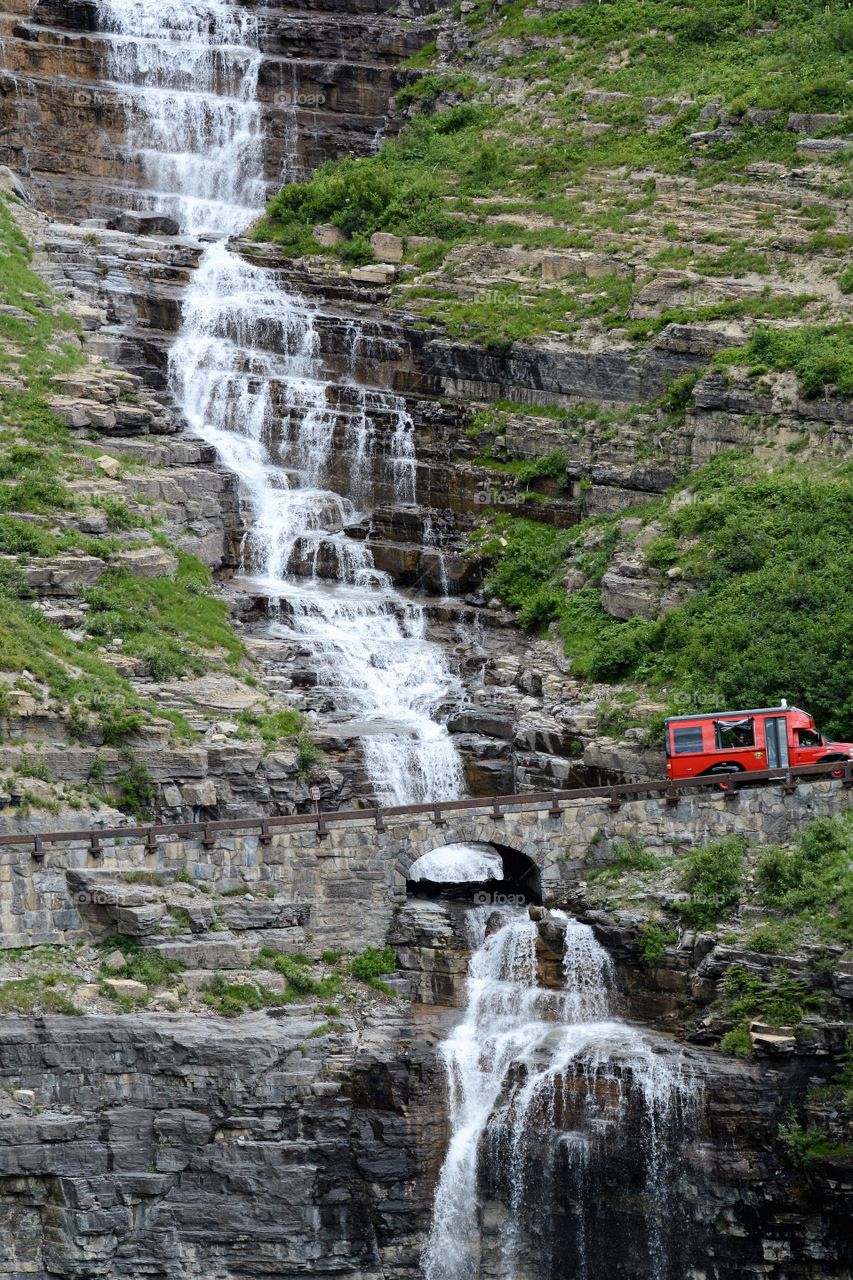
300, 1142
325, 83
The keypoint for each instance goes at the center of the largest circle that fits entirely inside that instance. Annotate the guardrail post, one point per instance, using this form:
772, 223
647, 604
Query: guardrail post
555, 811
208, 839
38, 850
730, 787
848, 775
671, 796
379, 819
789, 786
322, 829
95, 847
437, 818
615, 800
497, 811
150, 842
265, 836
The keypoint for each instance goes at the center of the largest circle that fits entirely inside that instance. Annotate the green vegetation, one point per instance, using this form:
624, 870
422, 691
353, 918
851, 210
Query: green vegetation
821, 356
783, 1001
812, 881
508, 313
770, 619
713, 877
272, 727
652, 941
35, 994
141, 964
467, 168
38, 454
371, 963
136, 790
173, 623
308, 754
230, 999
805, 1146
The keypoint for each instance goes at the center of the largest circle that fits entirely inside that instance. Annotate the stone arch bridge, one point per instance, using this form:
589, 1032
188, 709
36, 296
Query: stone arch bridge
347, 871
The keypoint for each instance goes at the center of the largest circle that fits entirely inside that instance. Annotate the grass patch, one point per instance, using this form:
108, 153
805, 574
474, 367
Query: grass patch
371, 964
812, 881
141, 964
173, 623
36, 994
272, 727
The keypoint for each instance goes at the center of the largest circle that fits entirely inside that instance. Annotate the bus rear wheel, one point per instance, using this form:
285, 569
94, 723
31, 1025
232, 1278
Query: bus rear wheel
724, 771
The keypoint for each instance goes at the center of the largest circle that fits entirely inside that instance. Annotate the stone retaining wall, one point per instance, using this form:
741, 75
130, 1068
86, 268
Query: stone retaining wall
349, 883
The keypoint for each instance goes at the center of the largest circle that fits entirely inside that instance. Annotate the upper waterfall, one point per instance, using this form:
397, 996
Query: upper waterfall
247, 373
188, 75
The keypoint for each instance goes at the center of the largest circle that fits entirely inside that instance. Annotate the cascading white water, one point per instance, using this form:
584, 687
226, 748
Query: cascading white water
245, 370
538, 1079
458, 864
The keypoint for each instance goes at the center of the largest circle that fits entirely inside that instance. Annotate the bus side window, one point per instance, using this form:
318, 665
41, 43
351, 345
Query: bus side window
687, 739
735, 735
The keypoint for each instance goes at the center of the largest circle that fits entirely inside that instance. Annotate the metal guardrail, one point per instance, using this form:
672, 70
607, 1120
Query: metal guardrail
496, 806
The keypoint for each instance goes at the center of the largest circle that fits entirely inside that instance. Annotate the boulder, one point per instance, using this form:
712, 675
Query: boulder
386, 247
110, 466
126, 987
148, 562
375, 273
328, 235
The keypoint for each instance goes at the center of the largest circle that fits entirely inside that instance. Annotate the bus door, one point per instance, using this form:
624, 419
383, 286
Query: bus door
776, 739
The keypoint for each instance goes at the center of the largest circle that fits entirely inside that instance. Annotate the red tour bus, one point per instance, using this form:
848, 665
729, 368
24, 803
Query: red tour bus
741, 741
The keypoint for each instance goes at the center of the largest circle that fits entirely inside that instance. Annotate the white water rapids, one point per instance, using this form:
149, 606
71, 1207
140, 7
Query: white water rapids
246, 373
540, 1081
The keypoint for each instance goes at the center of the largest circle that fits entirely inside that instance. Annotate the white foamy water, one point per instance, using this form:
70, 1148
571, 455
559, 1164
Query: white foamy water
536, 1078
246, 371
458, 864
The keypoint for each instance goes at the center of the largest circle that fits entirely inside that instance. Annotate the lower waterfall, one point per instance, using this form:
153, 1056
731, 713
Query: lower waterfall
545, 1091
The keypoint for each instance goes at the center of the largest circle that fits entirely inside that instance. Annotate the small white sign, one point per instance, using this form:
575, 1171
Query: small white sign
315, 793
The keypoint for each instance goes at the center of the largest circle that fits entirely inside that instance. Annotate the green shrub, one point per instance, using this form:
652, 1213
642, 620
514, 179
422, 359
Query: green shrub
308, 755
803, 1146
371, 964
774, 938
812, 881
713, 877
736, 1042
820, 355
652, 941
782, 1001
137, 790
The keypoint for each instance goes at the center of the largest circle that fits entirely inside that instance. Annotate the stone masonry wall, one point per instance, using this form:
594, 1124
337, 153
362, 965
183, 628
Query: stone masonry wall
348, 884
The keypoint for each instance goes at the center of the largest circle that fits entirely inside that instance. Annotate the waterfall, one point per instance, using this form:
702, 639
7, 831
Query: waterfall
545, 1087
246, 373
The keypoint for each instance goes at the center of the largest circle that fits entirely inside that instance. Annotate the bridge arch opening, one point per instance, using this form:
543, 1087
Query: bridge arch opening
461, 870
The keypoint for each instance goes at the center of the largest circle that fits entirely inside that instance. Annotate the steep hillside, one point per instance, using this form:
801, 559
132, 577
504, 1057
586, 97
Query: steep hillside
634, 181
119, 664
